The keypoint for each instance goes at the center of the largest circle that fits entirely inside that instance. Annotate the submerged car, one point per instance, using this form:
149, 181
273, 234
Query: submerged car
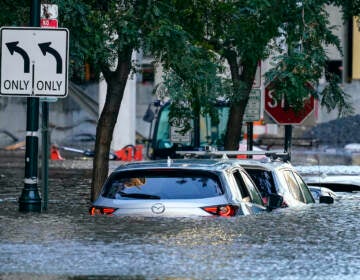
321, 192
273, 175
180, 188
281, 178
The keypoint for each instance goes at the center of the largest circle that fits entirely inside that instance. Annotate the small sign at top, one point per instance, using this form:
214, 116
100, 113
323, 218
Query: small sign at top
49, 11
48, 16
48, 23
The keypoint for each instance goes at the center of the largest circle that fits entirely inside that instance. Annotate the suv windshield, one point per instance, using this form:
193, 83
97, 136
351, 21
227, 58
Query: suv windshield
162, 184
166, 135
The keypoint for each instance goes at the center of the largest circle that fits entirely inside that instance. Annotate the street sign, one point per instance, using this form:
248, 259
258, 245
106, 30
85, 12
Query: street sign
286, 116
48, 23
253, 107
34, 62
49, 11
48, 16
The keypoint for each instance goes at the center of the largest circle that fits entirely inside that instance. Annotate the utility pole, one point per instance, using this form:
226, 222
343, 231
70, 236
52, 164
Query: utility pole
30, 200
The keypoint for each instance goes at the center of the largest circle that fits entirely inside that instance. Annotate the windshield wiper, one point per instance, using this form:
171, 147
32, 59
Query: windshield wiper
139, 195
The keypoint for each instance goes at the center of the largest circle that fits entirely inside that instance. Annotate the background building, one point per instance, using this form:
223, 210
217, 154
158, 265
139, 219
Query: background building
73, 119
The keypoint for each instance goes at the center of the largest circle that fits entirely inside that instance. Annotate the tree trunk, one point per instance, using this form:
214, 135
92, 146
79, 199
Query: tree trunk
242, 84
116, 82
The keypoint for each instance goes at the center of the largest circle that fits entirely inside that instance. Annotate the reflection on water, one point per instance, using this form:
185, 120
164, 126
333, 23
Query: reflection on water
315, 242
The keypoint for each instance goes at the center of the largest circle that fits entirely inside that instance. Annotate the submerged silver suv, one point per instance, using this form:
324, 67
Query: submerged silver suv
196, 187
273, 175
281, 178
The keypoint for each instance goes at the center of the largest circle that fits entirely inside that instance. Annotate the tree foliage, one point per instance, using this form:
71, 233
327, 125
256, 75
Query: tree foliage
15, 13
299, 66
293, 34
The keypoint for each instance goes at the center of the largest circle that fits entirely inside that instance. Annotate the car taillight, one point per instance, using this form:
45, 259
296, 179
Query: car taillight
101, 211
222, 210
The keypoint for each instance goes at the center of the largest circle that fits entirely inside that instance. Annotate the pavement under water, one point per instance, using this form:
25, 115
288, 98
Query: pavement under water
313, 242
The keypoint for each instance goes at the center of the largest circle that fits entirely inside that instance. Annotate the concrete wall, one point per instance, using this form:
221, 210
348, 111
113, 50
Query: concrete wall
68, 123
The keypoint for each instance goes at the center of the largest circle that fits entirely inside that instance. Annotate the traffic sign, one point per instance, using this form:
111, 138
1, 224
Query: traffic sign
34, 61
253, 107
48, 16
49, 23
49, 11
287, 115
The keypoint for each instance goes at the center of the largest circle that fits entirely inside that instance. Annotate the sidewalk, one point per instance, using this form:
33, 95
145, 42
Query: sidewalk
16, 159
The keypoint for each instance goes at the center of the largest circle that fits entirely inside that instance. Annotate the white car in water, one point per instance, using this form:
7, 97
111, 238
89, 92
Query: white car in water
318, 192
273, 175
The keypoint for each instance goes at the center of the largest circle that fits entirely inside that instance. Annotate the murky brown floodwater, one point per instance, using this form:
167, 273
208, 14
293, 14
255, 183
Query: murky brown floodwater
315, 242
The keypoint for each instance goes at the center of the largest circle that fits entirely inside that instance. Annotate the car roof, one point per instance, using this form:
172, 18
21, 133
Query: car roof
267, 160
190, 164
267, 164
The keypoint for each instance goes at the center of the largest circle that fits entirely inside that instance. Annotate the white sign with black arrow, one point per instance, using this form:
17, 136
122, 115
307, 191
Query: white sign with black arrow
34, 61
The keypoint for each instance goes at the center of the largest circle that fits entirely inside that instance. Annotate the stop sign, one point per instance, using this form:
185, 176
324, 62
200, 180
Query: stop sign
287, 115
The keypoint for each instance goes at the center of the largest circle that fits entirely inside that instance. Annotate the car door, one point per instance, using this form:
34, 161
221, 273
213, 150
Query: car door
249, 193
304, 188
293, 186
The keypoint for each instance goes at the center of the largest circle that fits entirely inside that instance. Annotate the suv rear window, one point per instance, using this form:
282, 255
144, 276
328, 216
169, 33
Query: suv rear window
162, 184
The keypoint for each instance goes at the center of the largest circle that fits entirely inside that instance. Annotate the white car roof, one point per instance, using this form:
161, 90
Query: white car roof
266, 163
270, 160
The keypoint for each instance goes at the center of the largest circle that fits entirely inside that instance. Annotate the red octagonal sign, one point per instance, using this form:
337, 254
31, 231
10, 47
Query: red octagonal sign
288, 115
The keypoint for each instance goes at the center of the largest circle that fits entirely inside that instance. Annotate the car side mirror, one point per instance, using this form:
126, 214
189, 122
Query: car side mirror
274, 201
326, 199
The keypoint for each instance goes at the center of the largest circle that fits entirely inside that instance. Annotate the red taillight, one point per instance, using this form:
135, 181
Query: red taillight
101, 211
222, 210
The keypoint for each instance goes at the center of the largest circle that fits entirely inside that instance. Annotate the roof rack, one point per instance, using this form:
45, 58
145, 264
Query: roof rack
272, 155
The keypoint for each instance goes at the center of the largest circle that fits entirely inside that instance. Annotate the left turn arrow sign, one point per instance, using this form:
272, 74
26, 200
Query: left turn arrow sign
45, 48
13, 47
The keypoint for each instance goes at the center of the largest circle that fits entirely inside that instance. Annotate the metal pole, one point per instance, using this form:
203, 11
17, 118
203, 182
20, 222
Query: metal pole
287, 143
250, 136
45, 153
30, 200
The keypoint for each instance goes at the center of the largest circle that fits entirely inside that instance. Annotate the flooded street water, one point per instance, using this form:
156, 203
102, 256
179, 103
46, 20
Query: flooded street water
314, 242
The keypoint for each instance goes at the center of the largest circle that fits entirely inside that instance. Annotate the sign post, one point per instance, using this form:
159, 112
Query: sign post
30, 200
34, 64
288, 139
253, 108
48, 19
252, 113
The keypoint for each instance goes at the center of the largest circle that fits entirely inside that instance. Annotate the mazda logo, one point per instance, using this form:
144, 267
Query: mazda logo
158, 208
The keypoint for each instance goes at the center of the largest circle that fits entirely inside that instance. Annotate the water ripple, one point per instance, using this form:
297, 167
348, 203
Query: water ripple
313, 242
